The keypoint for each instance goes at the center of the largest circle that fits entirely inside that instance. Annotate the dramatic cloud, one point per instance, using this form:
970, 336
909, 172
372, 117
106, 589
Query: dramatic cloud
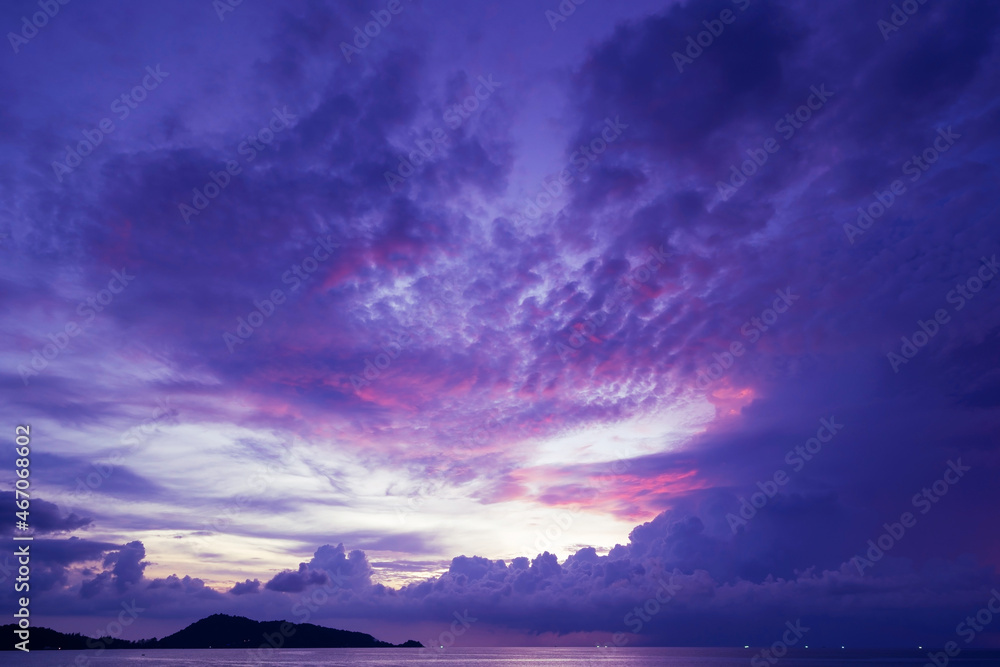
493, 289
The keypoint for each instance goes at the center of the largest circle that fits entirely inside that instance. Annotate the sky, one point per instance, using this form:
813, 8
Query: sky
647, 323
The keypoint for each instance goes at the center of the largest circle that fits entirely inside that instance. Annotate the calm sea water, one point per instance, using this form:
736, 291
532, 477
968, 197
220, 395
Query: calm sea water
492, 657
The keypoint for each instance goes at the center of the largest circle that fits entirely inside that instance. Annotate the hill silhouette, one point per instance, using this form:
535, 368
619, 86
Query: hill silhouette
215, 631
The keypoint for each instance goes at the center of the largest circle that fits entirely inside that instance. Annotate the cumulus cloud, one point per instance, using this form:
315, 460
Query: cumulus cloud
585, 593
246, 587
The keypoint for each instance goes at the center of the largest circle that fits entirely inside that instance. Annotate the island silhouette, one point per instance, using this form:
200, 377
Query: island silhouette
215, 631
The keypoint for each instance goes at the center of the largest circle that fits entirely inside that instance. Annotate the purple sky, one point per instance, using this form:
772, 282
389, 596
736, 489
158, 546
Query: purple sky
271, 350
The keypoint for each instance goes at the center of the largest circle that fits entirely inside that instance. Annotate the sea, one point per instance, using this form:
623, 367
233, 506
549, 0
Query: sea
494, 657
